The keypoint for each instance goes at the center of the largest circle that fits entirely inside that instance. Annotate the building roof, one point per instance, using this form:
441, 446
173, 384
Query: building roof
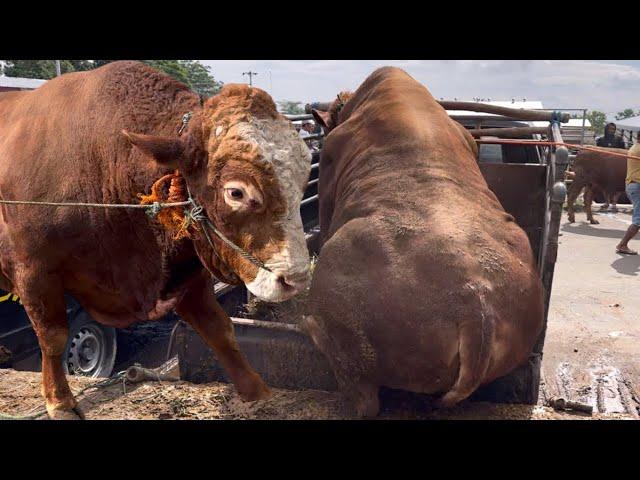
19, 82
576, 122
632, 123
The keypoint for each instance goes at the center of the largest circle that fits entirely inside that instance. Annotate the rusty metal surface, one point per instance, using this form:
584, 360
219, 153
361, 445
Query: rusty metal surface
520, 188
283, 355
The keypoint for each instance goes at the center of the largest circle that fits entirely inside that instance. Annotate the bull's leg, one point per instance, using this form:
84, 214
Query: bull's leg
43, 298
201, 310
588, 201
614, 201
361, 395
576, 187
364, 397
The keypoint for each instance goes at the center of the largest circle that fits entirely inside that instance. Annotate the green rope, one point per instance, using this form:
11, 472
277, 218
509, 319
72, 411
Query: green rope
152, 210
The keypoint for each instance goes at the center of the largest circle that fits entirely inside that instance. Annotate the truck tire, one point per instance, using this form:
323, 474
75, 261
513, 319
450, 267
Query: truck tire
91, 348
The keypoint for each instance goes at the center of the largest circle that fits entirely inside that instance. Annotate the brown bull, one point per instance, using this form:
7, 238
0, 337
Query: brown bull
64, 142
424, 282
596, 171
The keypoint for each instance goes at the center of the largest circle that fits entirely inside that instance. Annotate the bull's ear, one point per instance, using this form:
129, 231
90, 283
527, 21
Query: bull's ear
165, 150
324, 119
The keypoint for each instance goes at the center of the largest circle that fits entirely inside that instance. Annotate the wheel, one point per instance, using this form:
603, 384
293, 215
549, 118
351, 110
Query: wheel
91, 349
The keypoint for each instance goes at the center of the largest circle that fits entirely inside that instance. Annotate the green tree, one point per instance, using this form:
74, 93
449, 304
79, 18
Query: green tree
173, 68
626, 113
201, 80
291, 108
597, 120
44, 69
192, 73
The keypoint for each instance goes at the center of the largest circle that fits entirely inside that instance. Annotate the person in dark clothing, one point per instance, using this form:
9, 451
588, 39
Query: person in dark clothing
610, 139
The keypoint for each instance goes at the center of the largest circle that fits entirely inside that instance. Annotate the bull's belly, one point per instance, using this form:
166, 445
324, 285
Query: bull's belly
120, 308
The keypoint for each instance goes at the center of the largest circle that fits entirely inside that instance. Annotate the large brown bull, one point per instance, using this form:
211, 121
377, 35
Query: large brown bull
596, 171
424, 282
240, 160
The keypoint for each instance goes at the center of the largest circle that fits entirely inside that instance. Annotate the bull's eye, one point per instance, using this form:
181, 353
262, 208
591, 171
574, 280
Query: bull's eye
240, 195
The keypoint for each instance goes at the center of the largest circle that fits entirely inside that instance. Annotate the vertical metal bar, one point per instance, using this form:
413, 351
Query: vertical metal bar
584, 117
58, 71
556, 194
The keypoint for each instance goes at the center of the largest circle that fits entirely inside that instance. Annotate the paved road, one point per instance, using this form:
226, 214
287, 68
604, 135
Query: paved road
592, 347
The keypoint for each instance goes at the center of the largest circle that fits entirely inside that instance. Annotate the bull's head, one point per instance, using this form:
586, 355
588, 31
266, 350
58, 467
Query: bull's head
328, 117
248, 167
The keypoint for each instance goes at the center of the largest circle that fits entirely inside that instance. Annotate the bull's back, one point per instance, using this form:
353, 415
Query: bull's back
399, 287
416, 246
606, 171
62, 143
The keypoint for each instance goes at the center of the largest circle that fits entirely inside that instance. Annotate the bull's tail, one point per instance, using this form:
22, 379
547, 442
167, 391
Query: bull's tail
475, 347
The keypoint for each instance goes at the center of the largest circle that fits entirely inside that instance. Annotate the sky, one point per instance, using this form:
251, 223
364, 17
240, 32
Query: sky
605, 85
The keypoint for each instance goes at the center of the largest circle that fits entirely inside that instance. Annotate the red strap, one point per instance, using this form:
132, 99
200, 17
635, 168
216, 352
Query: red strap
554, 144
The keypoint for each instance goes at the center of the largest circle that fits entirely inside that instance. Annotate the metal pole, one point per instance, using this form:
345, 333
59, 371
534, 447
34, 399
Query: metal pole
58, 72
251, 74
584, 115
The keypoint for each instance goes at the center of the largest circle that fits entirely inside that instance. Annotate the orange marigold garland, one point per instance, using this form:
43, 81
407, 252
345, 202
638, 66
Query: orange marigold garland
172, 218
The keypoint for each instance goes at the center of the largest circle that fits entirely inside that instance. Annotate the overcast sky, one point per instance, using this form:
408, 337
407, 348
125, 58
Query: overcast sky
606, 85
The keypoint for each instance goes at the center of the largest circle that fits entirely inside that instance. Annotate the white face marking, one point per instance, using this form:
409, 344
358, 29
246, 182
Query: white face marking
219, 130
291, 160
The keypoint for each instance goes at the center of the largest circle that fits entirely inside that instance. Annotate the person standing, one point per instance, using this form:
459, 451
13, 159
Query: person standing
610, 139
633, 192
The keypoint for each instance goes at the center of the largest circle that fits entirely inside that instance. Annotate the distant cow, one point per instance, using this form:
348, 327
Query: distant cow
424, 282
64, 142
596, 171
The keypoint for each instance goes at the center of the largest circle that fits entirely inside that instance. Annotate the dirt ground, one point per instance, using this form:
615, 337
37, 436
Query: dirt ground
592, 355
20, 395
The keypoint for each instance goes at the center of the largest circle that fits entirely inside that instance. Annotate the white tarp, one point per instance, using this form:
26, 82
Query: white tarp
19, 82
628, 124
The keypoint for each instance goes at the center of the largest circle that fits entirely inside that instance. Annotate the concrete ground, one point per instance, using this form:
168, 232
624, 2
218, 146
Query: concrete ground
592, 347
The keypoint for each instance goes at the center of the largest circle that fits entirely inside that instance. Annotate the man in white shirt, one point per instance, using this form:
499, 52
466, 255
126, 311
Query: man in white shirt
307, 128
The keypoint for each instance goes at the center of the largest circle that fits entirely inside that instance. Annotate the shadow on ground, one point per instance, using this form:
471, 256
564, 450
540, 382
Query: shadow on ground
592, 231
627, 265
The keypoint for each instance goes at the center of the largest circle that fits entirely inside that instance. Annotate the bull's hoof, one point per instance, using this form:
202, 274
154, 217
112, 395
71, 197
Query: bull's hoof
594, 222
604, 208
253, 389
364, 400
65, 414
571, 219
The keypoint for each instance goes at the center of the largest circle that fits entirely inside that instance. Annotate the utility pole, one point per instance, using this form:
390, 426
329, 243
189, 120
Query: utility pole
251, 74
58, 72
